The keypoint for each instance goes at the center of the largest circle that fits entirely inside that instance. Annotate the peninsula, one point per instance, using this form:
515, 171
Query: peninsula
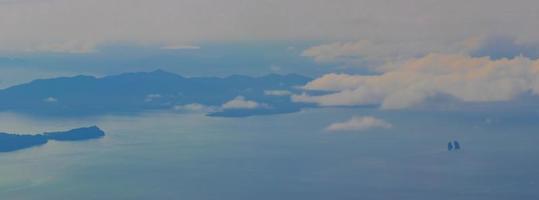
12, 142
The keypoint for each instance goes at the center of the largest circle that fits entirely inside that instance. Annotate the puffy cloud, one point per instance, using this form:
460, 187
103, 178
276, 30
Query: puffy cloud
359, 124
277, 93
241, 103
195, 107
50, 100
359, 53
463, 77
374, 54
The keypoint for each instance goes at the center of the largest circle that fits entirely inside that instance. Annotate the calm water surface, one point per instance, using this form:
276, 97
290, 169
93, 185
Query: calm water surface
190, 156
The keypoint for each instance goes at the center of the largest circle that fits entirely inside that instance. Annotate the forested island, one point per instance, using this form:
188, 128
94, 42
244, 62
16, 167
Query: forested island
12, 142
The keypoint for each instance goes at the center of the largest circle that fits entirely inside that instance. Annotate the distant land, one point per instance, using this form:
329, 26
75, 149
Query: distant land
12, 142
156, 90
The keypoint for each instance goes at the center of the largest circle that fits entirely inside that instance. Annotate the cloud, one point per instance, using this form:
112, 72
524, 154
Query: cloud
363, 53
195, 107
277, 93
241, 103
374, 54
410, 83
50, 100
498, 47
359, 124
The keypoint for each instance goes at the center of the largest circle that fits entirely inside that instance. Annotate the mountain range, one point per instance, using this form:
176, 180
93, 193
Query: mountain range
157, 90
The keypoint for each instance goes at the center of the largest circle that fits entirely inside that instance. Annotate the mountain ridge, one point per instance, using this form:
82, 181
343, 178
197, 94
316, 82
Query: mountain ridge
140, 91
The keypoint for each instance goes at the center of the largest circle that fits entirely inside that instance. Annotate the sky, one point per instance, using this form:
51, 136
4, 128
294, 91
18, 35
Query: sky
392, 54
81, 26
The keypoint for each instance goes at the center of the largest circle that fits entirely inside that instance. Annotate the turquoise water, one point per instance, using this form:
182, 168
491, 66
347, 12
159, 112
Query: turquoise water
190, 156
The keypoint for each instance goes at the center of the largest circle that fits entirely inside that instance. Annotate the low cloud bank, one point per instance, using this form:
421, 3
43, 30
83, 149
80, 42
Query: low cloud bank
195, 107
412, 82
241, 103
359, 124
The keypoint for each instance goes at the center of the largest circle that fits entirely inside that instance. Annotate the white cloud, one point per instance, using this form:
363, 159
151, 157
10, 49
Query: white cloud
359, 124
241, 103
195, 107
359, 53
410, 83
374, 54
277, 92
50, 100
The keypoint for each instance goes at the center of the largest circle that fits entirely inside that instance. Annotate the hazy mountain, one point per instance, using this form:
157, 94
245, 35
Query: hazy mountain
135, 92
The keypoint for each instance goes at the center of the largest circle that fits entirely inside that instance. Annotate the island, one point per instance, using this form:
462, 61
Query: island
156, 90
13, 142
76, 134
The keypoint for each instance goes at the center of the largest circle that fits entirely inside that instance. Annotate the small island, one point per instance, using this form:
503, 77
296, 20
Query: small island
12, 142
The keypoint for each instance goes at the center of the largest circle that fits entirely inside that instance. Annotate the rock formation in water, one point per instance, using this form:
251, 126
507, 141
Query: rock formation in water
456, 144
